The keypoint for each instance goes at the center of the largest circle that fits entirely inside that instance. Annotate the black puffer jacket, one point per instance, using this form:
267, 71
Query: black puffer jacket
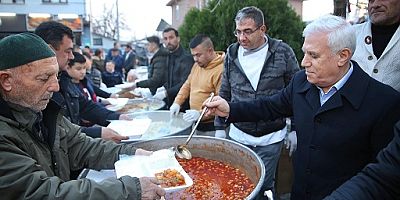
157, 71
180, 64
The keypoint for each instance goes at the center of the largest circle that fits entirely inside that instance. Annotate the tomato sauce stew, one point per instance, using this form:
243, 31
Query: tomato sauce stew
213, 180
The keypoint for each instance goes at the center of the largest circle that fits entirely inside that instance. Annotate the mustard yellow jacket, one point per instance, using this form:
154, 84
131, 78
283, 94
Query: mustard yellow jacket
201, 82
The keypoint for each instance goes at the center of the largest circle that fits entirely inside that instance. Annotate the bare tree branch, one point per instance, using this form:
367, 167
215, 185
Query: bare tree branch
106, 24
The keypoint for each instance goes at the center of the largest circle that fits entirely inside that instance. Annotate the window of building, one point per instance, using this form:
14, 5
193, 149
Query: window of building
98, 41
177, 12
198, 4
13, 1
55, 1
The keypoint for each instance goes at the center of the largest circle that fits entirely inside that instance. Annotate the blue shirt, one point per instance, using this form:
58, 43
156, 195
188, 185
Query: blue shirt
323, 97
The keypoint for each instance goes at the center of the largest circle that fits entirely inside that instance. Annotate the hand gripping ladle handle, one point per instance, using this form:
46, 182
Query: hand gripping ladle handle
199, 119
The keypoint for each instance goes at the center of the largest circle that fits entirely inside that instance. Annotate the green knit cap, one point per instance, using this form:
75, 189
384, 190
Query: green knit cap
23, 48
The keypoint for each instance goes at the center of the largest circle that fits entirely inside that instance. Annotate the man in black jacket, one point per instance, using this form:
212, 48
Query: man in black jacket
380, 180
157, 70
60, 38
179, 65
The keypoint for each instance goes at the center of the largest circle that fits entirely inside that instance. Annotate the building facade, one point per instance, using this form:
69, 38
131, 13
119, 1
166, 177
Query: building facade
18, 16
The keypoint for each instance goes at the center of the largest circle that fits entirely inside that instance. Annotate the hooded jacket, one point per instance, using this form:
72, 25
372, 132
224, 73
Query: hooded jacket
200, 83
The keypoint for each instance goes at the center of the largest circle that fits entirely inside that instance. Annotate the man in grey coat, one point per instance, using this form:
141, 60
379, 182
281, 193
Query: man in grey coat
39, 147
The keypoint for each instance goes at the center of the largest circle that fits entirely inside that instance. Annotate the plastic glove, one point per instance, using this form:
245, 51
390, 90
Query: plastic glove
144, 92
291, 142
132, 76
160, 95
174, 109
191, 115
161, 89
220, 134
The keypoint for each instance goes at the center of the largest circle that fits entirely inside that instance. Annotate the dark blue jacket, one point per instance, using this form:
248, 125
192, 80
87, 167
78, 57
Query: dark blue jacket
79, 107
88, 83
335, 140
380, 180
111, 79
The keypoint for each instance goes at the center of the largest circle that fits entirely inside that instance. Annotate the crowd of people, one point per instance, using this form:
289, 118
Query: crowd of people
337, 109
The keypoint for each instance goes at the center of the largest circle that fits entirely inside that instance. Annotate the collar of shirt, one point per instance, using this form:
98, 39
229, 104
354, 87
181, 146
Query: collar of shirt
323, 97
247, 52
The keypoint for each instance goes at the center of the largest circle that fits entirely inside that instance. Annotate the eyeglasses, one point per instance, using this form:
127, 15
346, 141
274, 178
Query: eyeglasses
245, 32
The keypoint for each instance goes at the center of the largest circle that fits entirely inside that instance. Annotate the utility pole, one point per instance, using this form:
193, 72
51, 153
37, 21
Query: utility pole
117, 22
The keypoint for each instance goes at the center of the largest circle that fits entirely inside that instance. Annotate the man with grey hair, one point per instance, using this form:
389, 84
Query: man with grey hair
343, 116
257, 65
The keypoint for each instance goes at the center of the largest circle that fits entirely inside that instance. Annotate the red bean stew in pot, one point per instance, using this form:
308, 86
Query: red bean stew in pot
213, 180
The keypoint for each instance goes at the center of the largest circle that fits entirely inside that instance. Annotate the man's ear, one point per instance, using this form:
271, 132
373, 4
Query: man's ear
344, 56
5, 80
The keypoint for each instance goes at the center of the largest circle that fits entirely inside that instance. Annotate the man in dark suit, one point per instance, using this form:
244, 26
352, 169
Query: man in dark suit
343, 116
129, 59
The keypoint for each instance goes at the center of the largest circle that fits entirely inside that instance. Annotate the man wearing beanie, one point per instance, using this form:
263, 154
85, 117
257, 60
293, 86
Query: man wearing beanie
39, 147
60, 38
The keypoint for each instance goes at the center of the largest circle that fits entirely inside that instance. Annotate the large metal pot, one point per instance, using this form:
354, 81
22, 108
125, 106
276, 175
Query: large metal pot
219, 149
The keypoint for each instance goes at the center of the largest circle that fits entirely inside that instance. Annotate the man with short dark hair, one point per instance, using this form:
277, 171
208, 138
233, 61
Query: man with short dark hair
257, 65
129, 59
157, 70
179, 64
39, 147
204, 79
60, 37
118, 60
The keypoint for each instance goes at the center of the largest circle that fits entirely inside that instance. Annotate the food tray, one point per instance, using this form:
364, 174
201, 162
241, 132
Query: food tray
148, 166
140, 105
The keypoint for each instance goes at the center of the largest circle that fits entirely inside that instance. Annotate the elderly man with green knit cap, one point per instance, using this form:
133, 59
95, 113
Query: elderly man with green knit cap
39, 147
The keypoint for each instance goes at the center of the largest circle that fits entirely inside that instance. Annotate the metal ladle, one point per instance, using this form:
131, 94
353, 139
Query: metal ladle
181, 150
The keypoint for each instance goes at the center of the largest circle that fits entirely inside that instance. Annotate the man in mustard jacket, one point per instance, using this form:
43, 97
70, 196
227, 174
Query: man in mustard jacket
204, 78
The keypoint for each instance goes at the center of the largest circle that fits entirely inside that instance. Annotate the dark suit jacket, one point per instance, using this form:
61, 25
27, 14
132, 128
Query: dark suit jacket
379, 180
129, 63
335, 140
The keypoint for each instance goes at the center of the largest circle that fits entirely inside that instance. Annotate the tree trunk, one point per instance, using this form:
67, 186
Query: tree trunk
339, 7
